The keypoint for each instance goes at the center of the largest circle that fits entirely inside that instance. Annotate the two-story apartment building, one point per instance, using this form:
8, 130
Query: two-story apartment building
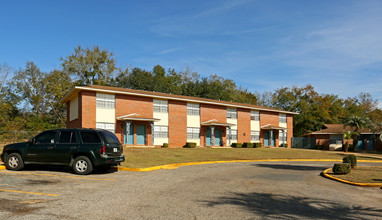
151, 118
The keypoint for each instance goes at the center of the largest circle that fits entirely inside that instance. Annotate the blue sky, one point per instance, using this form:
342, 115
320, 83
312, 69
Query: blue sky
262, 45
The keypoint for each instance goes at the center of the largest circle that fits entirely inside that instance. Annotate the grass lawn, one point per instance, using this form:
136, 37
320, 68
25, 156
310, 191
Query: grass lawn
143, 157
363, 175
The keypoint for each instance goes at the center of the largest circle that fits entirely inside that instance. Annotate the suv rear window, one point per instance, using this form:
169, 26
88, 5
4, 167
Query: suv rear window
110, 137
67, 137
90, 137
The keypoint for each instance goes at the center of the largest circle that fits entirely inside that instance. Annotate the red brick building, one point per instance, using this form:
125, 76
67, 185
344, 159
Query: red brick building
150, 118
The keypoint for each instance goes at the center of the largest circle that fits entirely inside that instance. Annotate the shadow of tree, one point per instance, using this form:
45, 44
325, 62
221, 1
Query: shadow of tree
291, 167
291, 207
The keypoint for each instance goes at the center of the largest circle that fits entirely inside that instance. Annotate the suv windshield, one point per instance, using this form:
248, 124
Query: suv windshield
110, 137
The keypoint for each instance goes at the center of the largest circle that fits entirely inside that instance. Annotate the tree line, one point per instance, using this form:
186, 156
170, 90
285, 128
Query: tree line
30, 99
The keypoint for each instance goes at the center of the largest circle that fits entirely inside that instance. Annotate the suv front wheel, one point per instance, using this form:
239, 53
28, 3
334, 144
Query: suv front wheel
82, 165
14, 162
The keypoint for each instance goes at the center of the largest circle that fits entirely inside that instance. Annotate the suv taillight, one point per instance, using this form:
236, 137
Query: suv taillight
102, 150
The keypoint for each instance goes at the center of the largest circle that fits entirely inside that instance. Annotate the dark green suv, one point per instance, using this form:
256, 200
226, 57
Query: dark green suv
81, 149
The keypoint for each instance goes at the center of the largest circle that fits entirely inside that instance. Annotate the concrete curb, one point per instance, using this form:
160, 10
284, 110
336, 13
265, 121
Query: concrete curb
176, 165
325, 174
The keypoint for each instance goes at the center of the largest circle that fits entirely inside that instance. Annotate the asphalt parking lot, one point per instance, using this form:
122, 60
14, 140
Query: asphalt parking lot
260, 190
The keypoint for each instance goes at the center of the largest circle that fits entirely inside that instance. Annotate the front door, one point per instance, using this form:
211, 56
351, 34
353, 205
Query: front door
130, 135
218, 136
141, 134
208, 136
269, 138
266, 138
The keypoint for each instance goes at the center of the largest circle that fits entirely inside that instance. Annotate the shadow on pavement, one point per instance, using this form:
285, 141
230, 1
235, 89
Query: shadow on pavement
65, 169
291, 207
291, 167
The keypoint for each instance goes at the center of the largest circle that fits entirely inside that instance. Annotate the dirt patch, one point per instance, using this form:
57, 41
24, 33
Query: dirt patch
41, 182
17, 208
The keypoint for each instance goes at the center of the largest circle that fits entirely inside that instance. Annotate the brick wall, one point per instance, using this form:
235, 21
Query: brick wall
243, 125
323, 139
290, 131
177, 123
209, 112
267, 118
88, 109
128, 104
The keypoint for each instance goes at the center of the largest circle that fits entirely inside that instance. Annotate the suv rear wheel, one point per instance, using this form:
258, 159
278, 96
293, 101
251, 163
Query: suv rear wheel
82, 165
14, 162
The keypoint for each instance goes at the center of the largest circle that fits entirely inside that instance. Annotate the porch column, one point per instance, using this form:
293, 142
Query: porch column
152, 132
212, 135
127, 131
229, 136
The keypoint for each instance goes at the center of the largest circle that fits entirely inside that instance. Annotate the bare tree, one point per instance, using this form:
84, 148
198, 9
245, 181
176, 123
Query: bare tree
4, 72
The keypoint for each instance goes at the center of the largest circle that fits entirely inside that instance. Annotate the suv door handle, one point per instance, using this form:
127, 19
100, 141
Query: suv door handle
73, 147
50, 147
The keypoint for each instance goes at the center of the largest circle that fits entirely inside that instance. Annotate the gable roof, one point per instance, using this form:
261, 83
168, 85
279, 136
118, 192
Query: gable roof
159, 95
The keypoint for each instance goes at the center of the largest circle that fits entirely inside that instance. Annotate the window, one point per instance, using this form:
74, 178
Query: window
160, 131
193, 133
193, 109
67, 137
105, 100
336, 141
233, 134
255, 135
46, 137
110, 137
282, 118
106, 126
283, 137
231, 113
160, 105
90, 137
255, 115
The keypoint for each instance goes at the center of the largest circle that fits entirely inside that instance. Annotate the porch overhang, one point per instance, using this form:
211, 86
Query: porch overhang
136, 117
215, 122
273, 127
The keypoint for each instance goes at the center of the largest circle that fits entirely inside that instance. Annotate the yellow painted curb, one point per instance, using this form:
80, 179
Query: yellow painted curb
176, 165
325, 174
2, 167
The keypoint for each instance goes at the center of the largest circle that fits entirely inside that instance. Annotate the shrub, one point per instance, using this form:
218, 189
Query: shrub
284, 145
257, 145
341, 168
190, 145
351, 147
165, 145
351, 159
320, 147
248, 145
236, 145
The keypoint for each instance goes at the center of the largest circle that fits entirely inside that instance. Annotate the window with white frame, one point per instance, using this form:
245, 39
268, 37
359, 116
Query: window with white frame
160, 105
282, 118
255, 135
255, 115
231, 113
233, 134
283, 137
105, 100
160, 131
193, 133
106, 126
193, 109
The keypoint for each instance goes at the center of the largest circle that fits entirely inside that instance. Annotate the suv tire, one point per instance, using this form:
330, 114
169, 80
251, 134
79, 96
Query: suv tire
82, 165
14, 162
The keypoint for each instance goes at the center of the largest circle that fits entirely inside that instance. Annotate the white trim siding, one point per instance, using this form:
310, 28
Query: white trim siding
193, 122
73, 109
